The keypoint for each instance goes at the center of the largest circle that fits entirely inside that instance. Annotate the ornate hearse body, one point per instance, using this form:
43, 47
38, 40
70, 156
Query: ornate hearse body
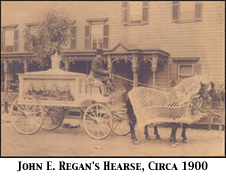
46, 96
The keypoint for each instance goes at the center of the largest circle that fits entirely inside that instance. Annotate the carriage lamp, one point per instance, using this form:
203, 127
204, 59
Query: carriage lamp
90, 78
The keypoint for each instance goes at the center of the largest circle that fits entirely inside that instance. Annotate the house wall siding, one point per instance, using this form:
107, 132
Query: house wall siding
204, 39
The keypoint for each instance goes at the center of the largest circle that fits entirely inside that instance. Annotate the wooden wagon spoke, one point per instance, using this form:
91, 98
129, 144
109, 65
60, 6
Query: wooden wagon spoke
93, 112
104, 118
35, 113
17, 113
18, 121
53, 120
115, 126
98, 132
53, 117
37, 119
97, 111
104, 126
24, 108
33, 123
50, 109
27, 107
26, 126
29, 125
93, 118
19, 108
93, 129
33, 108
101, 127
26, 118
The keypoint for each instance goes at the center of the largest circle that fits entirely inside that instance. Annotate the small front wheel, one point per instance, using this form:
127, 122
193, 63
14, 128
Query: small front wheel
97, 121
120, 120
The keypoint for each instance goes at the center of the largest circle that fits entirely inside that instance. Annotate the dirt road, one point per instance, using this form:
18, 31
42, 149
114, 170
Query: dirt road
75, 142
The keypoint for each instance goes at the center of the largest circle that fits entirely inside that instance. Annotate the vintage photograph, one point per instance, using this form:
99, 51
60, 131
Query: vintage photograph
112, 78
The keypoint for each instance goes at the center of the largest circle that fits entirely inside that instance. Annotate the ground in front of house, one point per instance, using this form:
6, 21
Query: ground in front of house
76, 142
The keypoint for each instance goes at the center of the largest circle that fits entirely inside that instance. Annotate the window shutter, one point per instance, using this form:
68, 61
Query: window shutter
87, 37
145, 12
174, 71
125, 12
73, 37
3, 41
198, 11
26, 39
176, 11
106, 36
16, 40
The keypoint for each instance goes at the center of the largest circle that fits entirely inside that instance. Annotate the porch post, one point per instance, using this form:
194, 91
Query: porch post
110, 68
5, 86
135, 69
66, 64
154, 67
25, 66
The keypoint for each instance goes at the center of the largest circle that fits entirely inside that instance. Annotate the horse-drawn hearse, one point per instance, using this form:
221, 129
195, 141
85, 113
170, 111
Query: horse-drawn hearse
45, 97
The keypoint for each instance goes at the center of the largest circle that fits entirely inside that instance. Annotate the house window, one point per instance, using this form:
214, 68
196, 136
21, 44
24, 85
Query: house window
135, 12
185, 71
9, 39
187, 11
29, 32
72, 43
96, 35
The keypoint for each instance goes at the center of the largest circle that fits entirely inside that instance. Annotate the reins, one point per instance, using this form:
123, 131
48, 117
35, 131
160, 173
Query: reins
139, 83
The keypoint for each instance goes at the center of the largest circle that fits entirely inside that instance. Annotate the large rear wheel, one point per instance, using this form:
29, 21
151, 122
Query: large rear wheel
53, 118
26, 115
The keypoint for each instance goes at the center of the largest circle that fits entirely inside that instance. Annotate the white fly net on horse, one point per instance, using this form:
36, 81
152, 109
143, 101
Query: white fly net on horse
153, 106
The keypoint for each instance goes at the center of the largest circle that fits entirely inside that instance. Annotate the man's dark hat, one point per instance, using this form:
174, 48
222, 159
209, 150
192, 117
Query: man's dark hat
99, 51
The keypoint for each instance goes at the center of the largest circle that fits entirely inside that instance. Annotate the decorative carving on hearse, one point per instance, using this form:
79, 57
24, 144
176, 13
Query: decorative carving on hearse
52, 93
58, 87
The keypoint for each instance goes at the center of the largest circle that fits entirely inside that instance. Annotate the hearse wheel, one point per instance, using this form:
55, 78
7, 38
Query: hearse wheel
97, 121
53, 118
26, 115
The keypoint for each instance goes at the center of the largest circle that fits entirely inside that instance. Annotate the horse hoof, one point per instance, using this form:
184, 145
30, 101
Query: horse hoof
185, 141
148, 138
135, 142
174, 144
171, 140
158, 137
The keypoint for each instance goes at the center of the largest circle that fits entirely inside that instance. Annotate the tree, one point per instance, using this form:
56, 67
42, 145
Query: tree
52, 33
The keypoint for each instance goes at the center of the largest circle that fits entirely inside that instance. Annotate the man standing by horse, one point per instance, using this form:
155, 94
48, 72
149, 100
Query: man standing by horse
100, 72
